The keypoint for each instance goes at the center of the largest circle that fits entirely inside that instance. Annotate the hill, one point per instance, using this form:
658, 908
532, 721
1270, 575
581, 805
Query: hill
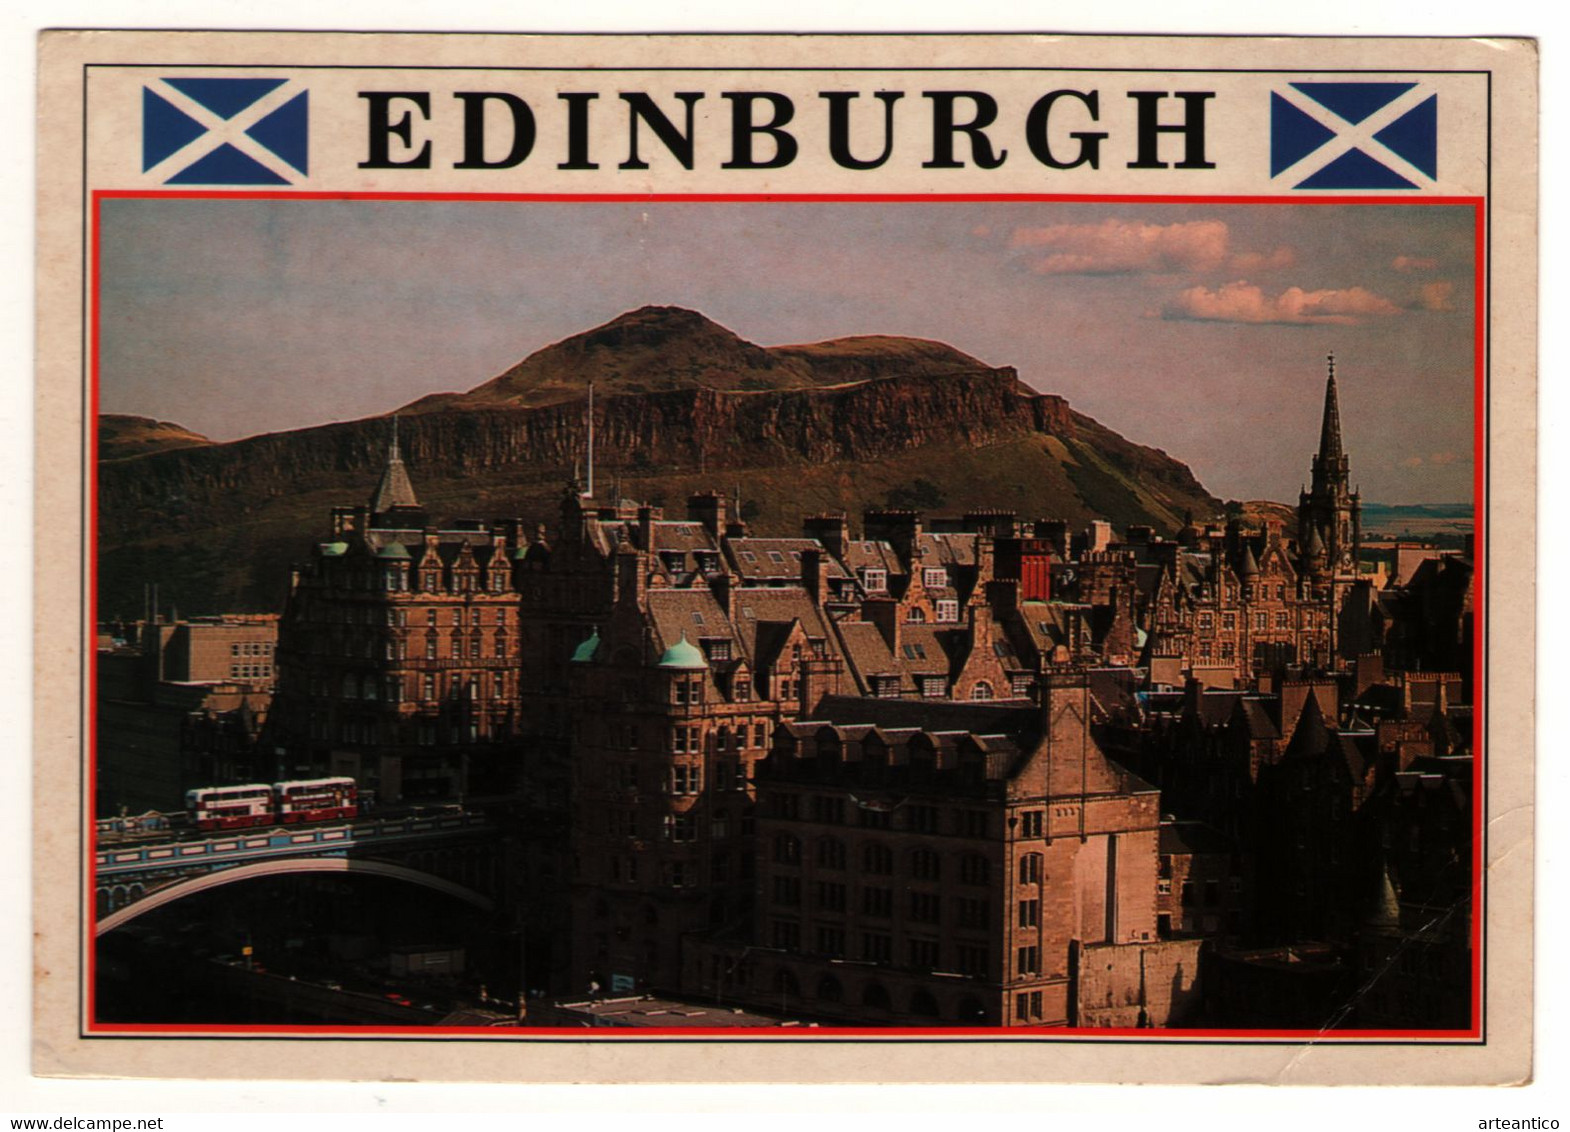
121, 436
660, 349
848, 424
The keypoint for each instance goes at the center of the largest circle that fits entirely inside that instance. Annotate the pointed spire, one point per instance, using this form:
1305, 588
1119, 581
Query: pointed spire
394, 490
1330, 428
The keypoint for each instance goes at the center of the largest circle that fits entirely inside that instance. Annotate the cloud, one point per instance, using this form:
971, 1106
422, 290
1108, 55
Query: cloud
1412, 462
1127, 247
1414, 263
1244, 302
1436, 296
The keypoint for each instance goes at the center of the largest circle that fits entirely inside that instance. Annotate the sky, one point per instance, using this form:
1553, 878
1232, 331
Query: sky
1200, 329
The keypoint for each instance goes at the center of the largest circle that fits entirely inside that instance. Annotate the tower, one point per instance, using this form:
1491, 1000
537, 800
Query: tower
1330, 509
394, 489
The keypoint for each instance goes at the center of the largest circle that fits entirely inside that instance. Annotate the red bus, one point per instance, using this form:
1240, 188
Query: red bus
230, 807
315, 799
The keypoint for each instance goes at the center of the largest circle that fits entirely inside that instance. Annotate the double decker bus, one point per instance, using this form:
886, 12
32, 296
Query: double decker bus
315, 799
230, 807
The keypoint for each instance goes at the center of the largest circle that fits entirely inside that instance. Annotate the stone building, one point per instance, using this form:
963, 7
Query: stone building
398, 656
952, 864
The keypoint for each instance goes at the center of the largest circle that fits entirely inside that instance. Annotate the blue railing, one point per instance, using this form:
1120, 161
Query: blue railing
275, 841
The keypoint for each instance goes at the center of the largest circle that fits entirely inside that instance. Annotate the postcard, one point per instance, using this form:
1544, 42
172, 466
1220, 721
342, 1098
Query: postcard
785, 558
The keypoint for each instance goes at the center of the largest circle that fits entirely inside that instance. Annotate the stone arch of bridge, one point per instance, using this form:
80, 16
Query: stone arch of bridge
208, 881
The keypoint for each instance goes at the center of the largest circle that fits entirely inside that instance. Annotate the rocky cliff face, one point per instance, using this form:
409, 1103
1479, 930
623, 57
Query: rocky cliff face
217, 525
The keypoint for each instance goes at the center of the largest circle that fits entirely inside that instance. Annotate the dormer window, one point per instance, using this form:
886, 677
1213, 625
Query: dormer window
948, 611
876, 581
776, 557
934, 577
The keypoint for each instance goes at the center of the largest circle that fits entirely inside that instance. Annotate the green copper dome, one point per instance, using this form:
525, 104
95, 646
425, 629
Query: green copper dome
335, 549
393, 550
683, 654
584, 653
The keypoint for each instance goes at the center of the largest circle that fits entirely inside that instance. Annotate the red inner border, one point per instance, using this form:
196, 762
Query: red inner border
91, 1027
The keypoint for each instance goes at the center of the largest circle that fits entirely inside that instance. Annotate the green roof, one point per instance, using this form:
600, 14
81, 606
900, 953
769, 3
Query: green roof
393, 550
335, 549
584, 653
683, 654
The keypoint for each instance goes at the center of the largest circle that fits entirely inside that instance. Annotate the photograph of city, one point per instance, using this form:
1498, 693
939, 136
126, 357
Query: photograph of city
1001, 618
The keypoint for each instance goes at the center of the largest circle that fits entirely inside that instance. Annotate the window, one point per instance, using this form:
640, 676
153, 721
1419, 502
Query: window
973, 869
681, 827
1027, 1005
686, 779
916, 616
1228, 621
1164, 886
971, 912
1030, 913
831, 896
1261, 621
1030, 868
982, 691
1028, 960
429, 689
430, 647
922, 819
1031, 823
787, 890
974, 823
933, 687
1283, 620
924, 907
877, 947
1207, 620
831, 853
877, 902
828, 810
787, 849
877, 860
875, 581
787, 935
924, 955
947, 610
925, 864
935, 577
831, 941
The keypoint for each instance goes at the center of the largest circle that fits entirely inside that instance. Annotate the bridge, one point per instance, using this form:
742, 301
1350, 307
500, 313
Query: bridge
452, 853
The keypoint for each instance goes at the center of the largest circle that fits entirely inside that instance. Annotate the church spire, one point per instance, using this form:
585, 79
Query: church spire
1330, 428
394, 490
